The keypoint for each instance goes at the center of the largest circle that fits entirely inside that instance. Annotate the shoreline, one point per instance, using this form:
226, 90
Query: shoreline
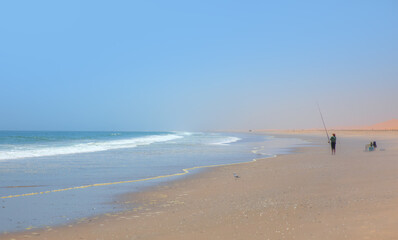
214, 204
91, 182
174, 177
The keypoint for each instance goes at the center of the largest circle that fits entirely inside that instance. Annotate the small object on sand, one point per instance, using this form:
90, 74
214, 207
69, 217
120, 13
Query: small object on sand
236, 176
369, 147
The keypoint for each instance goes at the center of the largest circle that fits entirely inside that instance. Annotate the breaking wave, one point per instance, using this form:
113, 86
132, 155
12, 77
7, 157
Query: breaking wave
26, 151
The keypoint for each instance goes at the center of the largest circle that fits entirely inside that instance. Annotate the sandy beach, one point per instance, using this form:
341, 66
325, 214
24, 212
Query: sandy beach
309, 194
198, 120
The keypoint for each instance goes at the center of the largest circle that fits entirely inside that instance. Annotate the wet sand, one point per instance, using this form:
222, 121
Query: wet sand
306, 195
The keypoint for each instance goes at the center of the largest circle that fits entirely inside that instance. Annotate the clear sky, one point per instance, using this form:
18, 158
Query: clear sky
196, 65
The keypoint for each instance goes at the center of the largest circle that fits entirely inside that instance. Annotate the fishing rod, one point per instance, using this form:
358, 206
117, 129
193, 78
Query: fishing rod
324, 125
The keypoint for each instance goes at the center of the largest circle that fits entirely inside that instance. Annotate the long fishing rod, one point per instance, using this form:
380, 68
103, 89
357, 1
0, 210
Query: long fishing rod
324, 125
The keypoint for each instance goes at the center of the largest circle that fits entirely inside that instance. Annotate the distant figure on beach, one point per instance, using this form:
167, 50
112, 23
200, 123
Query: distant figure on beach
371, 148
333, 143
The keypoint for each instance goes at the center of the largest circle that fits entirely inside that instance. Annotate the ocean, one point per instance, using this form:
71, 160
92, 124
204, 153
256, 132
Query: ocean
53, 178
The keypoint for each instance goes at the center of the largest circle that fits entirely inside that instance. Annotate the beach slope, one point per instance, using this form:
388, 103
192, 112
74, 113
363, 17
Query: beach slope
309, 194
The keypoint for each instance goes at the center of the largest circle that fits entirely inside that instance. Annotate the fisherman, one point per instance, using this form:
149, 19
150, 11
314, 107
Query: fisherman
333, 143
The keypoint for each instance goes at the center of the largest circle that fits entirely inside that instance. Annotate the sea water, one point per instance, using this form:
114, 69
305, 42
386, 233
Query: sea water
53, 178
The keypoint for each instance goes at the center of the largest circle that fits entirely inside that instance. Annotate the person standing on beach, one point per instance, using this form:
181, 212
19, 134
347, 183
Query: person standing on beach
333, 144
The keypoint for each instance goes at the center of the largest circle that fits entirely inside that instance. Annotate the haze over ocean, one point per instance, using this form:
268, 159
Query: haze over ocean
177, 65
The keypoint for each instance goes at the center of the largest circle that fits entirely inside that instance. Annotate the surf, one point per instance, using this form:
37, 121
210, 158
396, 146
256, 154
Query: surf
86, 146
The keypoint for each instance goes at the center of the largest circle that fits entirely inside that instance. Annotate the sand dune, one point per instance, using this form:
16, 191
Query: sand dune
387, 125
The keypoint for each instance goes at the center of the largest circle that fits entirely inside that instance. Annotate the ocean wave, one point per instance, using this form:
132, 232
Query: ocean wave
187, 133
226, 141
95, 146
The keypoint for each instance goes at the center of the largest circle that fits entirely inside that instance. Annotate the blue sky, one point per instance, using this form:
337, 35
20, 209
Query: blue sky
196, 65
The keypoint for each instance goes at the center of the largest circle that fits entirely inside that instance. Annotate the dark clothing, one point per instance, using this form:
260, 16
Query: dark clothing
333, 144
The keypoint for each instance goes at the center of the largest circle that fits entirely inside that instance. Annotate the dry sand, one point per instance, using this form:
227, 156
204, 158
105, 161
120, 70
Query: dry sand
306, 195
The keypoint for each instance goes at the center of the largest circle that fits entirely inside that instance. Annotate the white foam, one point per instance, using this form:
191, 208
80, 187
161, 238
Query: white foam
187, 133
25, 152
227, 141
